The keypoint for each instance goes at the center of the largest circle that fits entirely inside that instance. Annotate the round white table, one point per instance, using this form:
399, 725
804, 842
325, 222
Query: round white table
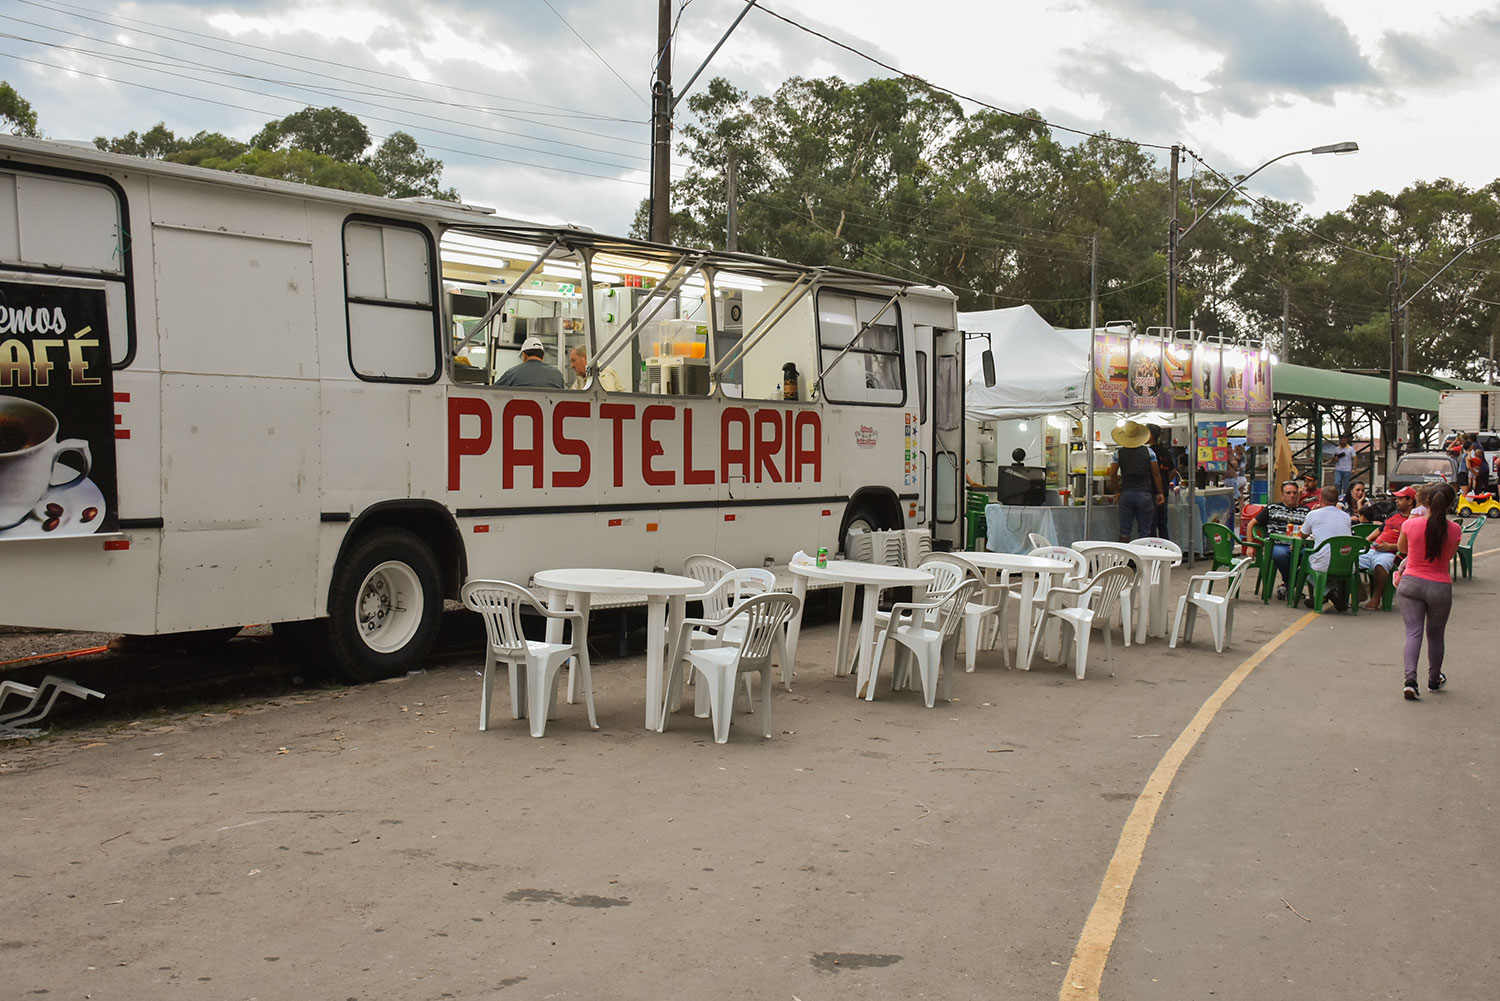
1153, 613
666, 598
1031, 569
874, 578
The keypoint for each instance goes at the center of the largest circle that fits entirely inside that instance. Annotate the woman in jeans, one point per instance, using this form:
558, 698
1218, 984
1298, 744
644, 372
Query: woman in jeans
1425, 594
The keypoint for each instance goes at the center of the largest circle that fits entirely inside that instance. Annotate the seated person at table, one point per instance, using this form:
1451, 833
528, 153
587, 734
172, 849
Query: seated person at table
1326, 521
1138, 478
1380, 559
1355, 498
1274, 519
1367, 515
1311, 495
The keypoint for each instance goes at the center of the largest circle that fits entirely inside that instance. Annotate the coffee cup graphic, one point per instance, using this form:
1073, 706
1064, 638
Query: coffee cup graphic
29, 454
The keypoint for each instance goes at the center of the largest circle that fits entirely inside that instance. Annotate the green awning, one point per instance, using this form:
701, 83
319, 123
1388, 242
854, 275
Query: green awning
1316, 385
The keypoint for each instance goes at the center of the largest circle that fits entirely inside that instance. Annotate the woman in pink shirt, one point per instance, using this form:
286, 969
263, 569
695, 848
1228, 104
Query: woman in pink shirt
1425, 593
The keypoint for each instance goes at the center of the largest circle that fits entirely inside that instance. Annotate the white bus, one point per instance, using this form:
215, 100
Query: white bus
228, 400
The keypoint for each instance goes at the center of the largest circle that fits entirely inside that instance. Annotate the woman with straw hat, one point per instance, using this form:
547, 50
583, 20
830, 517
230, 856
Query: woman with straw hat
1137, 477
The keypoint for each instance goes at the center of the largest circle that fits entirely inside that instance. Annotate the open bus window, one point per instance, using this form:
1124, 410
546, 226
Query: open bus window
764, 326
860, 348
486, 334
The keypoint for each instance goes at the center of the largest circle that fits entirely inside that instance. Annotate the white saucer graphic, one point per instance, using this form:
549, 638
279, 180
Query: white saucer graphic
74, 501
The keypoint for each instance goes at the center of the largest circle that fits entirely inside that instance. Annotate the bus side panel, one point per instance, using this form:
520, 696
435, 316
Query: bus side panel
75, 583
239, 501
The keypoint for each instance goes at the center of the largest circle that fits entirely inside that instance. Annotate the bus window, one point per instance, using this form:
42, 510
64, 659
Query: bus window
391, 313
485, 276
860, 348
774, 328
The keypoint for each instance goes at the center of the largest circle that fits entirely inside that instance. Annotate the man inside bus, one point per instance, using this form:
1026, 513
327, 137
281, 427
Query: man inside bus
532, 371
578, 358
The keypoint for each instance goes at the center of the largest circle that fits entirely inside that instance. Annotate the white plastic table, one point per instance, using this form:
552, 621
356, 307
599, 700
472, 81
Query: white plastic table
1153, 611
666, 598
874, 578
1031, 569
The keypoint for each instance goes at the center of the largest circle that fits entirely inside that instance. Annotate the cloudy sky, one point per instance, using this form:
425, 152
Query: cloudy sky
539, 107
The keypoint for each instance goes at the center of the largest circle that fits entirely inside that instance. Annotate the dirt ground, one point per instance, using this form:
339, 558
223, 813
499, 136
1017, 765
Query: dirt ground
371, 843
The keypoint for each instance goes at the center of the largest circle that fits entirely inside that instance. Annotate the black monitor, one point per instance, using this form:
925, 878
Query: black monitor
1025, 485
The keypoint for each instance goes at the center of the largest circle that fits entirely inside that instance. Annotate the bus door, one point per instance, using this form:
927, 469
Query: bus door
943, 433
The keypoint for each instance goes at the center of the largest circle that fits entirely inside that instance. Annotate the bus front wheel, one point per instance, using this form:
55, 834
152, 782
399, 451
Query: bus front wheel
383, 606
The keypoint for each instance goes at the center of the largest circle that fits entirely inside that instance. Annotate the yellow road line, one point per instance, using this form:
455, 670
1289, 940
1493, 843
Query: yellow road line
1087, 968
1486, 552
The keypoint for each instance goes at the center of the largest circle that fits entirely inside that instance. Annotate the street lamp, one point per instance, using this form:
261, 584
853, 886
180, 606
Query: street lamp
1174, 236
1393, 414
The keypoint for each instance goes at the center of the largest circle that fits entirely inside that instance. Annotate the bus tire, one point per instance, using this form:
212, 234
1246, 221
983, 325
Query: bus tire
383, 606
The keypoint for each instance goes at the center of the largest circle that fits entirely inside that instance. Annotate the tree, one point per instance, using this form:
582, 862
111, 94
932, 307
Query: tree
329, 131
406, 172
16, 112
304, 166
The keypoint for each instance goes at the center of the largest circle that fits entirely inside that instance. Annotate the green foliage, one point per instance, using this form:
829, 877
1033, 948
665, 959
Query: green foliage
15, 111
322, 146
890, 176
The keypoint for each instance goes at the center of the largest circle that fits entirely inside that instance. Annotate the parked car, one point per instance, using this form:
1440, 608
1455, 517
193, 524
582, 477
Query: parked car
1415, 468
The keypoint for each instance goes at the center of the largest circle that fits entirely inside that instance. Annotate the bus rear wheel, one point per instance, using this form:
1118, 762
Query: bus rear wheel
383, 606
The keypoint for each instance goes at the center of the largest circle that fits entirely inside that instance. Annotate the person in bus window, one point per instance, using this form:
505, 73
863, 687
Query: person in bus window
578, 359
532, 370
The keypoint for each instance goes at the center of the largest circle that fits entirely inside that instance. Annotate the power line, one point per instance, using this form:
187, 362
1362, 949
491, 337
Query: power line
953, 93
595, 51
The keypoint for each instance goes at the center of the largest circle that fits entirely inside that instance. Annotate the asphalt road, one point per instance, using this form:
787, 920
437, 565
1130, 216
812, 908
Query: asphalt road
1322, 839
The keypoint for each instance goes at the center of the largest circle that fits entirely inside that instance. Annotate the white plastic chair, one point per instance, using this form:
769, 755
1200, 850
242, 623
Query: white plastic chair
717, 667
1102, 556
1093, 600
13, 723
533, 692
731, 589
1158, 543
1037, 541
929, 631
986, 618
946, 575
1218, 607
708, 569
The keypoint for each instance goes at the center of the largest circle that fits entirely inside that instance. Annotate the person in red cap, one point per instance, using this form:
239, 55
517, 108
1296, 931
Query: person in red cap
1380, 559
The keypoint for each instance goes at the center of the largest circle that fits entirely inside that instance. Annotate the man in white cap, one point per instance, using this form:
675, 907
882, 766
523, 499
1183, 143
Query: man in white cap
1139, 480
532, 371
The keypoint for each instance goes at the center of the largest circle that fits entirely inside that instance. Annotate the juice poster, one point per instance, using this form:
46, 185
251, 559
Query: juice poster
1111, 370
1177, 366
1146, 390
1258, 390
1213, 446
1208, 379
1235, 366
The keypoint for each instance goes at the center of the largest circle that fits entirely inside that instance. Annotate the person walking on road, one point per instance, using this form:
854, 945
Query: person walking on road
1425, 593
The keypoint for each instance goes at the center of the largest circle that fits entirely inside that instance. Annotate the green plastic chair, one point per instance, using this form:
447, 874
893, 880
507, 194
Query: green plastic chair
1366, 532
1464, 558
1343, 564
1225, 545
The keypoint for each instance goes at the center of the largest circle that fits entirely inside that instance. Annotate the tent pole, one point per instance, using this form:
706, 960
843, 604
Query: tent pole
1088, 426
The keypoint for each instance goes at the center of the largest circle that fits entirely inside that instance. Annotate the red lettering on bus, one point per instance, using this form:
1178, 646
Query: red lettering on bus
576, 447
617, 414
689, 474
789, 470
766, 449
734, 455
459, 446
651, 448
515, 453
808, 447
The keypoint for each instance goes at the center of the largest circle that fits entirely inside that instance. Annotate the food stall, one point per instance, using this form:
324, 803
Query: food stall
1059, 394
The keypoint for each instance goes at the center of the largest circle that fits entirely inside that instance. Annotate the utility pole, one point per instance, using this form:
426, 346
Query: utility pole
1393, 417
1172, 238
732, 223
1286, 321
1093, 281
661, 128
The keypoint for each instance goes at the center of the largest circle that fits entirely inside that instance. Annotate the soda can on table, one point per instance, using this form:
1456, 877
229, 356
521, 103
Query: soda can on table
823, 556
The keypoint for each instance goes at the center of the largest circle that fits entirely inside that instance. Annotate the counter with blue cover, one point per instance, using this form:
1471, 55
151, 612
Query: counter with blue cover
1008, 525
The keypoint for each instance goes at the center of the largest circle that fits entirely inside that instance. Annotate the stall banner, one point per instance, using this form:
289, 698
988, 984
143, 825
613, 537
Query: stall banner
1177, 367
1146, 390
57, 434
1234, 380
1213, 446
1208, 379
1258, 384
1259, 431
1111, 370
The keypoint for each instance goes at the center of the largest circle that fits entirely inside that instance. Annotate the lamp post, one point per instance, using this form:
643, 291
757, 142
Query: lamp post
1393, 412
1174, 237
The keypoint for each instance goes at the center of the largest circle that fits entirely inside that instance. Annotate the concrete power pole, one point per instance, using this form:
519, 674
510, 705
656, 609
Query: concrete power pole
1286, 323
661, 128
1172, 237
732, 223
